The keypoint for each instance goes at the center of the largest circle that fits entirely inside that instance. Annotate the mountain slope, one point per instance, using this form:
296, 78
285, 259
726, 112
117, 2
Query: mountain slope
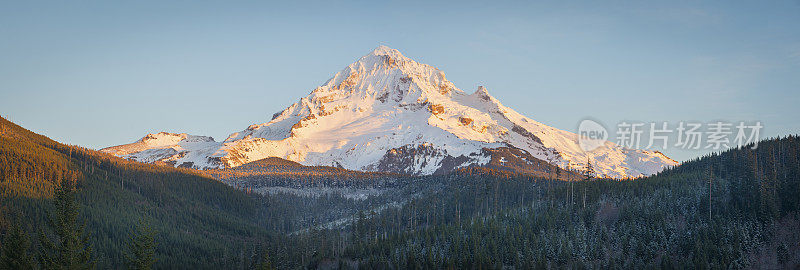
388, 113
198, 219
734, 209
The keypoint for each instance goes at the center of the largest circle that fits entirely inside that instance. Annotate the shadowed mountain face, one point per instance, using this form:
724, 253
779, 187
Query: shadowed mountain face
388, 113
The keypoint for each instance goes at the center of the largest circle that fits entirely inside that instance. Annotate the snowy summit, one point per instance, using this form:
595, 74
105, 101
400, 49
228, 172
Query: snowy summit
386, 112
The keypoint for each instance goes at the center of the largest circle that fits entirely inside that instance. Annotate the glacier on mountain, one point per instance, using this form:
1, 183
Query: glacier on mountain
386, 112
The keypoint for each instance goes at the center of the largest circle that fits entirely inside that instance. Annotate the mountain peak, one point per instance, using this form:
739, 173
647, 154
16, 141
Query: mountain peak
166, 138
383, 55
482, 91
483, 94
385, 50
386, 112
163, 136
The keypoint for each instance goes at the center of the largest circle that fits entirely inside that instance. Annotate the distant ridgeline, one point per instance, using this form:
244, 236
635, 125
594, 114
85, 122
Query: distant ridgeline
735, 209
275, 171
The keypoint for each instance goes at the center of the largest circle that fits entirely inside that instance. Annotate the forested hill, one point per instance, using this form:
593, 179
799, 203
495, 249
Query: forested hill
200, 222
735, 209
274, 171
278, 171
763, 182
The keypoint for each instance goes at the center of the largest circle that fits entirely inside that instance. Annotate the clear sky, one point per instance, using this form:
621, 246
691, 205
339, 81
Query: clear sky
102, 73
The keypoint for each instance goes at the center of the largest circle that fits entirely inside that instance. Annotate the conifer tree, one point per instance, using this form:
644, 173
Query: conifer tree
69, 247
142, 247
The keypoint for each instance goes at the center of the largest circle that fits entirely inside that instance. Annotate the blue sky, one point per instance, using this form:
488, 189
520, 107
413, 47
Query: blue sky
105, 73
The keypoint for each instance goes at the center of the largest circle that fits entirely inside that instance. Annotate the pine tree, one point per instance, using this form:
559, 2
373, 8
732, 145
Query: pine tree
142, 247
69, 248
15, 253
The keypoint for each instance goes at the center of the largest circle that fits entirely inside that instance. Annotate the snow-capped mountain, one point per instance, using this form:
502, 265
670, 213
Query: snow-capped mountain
386, 112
